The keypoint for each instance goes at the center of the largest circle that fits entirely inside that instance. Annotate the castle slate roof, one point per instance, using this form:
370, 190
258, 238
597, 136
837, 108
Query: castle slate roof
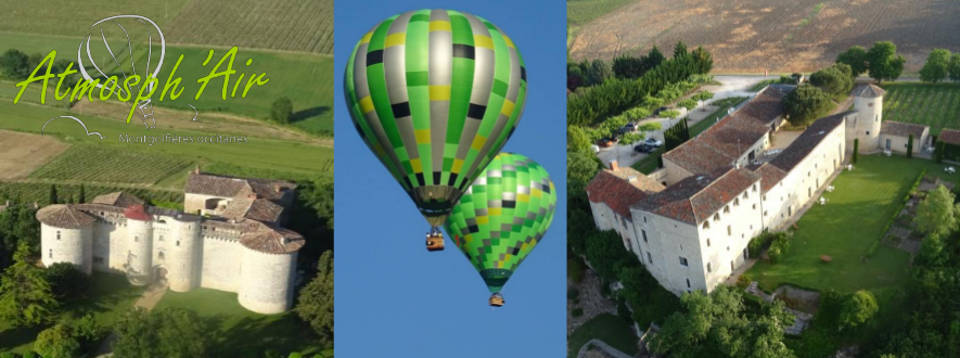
728, 139
225, 186
902, 129
695, 198
117, 198
621, 188
275, 240
869, 91
804, 144
949, 136
64, 216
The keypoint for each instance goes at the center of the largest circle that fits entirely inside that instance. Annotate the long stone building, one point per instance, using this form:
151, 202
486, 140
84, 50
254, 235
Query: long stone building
689, 223
229, 238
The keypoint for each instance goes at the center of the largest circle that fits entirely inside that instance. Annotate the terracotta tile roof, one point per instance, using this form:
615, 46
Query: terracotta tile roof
256, 209
697, 197
770, 175
902, 129
620, 188
225, 186
137, 212
949, 136
117, 198
869, 91
722, 143
64, 216
804, 144
264, 238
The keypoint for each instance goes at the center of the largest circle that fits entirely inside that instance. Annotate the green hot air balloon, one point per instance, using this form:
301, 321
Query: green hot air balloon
435, 94
502, 216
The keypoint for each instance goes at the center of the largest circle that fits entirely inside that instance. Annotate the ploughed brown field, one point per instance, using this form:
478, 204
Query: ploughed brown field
750, 36
36, 148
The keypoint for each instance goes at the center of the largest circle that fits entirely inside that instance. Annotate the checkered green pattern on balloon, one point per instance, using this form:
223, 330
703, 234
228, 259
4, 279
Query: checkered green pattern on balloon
502, 216
435, 94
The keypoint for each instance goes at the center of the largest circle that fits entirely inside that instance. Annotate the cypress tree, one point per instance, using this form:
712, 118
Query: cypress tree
856, 147
910, 146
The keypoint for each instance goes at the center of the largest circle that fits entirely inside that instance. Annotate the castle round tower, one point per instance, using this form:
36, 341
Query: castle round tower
66, 235
268, 269
139, 262
183, 253
868, 102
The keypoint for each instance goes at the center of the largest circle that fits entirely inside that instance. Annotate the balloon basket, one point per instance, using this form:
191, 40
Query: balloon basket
435, 241
496, 300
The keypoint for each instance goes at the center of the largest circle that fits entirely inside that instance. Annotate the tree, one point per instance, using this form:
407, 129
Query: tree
858, 308
833, 80
653, 59
164, 332
884, 63
14, 64
281, 110
679, 50
83, 195
910, 146
627, 67
315, 304
936, 214
18, 224
720, 325
54, 199
26, 298
937, 66
805, 104
856, 58
57, 342
606, 254
954, 67
67, 282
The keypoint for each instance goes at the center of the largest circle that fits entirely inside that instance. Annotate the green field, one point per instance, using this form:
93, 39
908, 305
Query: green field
612, 330
93, 163
256, 153
110, 295
935, 105
65, 17
854, 217
580, 12
243, 333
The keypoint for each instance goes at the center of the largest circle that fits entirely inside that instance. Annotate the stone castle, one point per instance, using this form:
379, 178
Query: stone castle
229, 238
689, 223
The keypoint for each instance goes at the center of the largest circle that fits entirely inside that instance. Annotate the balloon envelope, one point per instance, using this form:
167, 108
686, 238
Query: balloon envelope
502, 216
435, 94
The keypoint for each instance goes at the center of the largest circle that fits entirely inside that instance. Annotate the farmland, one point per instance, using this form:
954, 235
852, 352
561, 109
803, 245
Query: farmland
93, 163
18, 146
935, 105
756, 35
290, 25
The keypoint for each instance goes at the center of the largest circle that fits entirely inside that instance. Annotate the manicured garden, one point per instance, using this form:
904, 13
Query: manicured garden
935, 105
242, 333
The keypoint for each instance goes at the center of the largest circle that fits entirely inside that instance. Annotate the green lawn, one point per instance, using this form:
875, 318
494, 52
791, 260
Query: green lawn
935, 105
109, 297
608, 328
853, 218
242, 333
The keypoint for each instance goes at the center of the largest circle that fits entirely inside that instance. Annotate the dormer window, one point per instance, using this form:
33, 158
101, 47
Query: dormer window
726, 209
716, 217
706, 225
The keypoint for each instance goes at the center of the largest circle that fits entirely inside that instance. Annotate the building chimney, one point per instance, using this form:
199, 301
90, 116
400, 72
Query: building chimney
614, 165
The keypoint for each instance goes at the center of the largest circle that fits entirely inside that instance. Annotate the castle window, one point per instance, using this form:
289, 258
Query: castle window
754, 206
688, 283
644, 232
160, 255
764, 213
50, 253
708, 242
716, 217
178, 242
754, 188
729, 230
649, 258
726, 209
868, 132
683, 261
708, 267
736, 201
706, 225
746, 195
58, 234
136, 239
644, 219
160, 238
97, 260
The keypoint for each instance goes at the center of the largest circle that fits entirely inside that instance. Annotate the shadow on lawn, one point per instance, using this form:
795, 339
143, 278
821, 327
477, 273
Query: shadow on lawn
16, 337
307, 113
263, 336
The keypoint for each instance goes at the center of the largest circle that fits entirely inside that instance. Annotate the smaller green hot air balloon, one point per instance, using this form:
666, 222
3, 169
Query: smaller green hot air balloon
502, 216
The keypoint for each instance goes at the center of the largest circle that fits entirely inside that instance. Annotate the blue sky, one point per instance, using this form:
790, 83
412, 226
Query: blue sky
393, 298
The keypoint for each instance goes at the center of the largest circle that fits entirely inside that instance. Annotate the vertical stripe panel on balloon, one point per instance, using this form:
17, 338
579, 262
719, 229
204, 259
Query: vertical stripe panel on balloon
381, 100
497, 99
462, 130
440, 68
482, 84
418, 89
370, 121
394, 73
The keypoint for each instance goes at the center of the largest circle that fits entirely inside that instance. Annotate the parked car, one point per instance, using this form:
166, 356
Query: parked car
653, 142
606, 142
630, 127
661, 109
643, 148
